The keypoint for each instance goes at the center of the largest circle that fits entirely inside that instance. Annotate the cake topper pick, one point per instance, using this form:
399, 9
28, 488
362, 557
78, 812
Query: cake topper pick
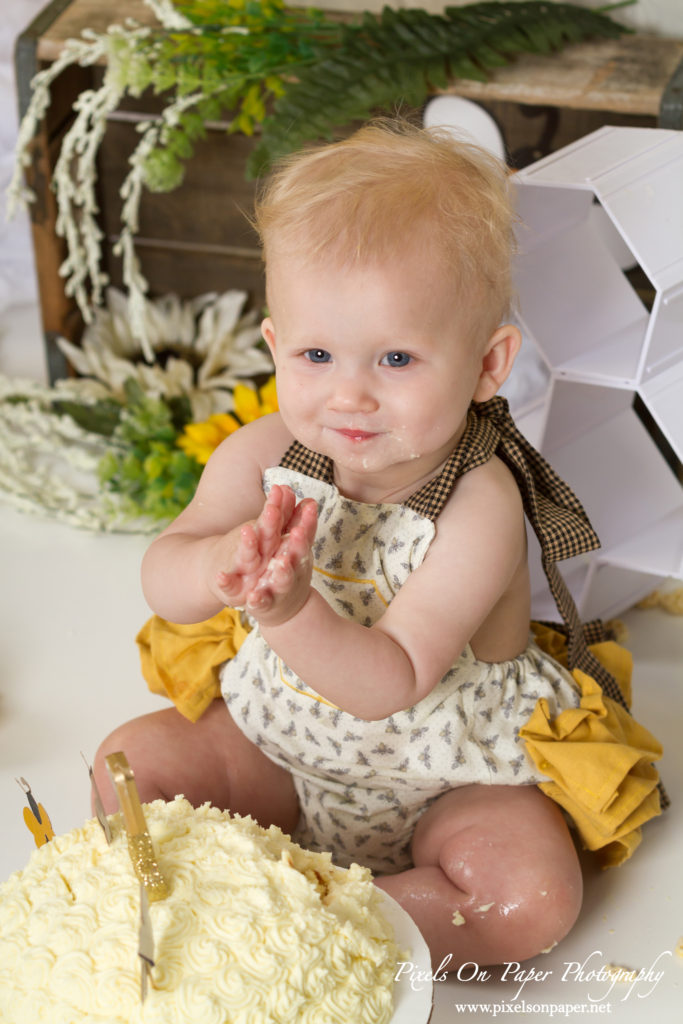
36, 817
97, 802
145, 943
139, 840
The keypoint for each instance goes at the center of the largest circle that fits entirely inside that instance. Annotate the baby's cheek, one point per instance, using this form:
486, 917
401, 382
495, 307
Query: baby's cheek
405, 445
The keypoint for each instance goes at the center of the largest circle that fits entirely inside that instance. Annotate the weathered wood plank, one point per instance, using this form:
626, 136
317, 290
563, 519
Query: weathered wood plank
93, 14
189, 272
209, 207
627, 75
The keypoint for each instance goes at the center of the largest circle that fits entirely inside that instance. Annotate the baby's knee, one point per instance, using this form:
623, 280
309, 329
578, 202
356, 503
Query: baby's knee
525, 901
537, 913
131, 738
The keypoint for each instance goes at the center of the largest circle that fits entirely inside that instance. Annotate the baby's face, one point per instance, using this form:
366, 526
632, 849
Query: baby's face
374, 368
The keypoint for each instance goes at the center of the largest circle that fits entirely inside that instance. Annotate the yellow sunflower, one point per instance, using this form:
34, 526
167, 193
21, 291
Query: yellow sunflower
249, 405
200, 440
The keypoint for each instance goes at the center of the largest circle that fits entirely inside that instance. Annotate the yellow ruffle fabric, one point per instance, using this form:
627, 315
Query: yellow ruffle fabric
598, 757
182, 662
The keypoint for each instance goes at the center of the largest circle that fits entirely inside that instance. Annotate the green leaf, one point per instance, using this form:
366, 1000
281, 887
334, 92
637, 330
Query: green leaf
108, 467
134, 392
413, 50
100, 417
193, 122
179, 144
163, 171
180, 409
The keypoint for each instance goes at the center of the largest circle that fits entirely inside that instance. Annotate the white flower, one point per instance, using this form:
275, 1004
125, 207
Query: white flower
167, 14
49, 465
202, 347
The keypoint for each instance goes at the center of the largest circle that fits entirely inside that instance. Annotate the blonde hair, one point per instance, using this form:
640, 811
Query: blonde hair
391, 187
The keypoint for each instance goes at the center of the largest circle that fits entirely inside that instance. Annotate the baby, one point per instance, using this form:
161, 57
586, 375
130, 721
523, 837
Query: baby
375, 541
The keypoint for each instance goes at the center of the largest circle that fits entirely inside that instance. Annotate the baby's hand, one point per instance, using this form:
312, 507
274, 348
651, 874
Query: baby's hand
285, 584
249, 549
259, 543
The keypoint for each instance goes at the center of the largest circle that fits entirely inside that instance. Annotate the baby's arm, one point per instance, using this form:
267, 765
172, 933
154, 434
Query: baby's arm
478, 553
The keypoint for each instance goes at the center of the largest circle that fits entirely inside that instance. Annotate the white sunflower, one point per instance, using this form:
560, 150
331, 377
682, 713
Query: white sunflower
202, 348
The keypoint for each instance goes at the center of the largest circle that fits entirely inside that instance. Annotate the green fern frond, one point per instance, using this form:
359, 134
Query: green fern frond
400, 56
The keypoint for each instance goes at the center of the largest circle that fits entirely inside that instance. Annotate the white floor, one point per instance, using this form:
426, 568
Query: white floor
71, 604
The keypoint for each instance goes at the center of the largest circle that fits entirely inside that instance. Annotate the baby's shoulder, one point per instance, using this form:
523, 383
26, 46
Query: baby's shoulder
263, 441
270, 438
490, 491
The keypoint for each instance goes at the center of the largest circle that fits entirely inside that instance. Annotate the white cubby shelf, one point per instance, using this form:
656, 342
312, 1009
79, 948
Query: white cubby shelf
599, 281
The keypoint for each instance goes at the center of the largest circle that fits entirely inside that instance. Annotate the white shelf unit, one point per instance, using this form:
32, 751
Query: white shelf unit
608, 203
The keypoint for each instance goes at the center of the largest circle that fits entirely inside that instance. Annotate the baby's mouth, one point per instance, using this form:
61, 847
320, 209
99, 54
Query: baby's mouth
356, 435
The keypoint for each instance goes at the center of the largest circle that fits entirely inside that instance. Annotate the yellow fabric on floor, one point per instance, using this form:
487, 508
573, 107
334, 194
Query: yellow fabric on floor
182, 661
598, 757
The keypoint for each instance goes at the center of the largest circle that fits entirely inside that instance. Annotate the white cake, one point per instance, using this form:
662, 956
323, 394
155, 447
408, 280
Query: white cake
255, 930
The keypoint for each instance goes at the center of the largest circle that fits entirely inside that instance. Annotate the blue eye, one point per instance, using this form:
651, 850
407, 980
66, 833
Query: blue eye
318, 355
396, 359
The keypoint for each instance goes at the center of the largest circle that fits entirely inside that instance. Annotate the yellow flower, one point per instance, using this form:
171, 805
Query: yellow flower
249, 405
200, 440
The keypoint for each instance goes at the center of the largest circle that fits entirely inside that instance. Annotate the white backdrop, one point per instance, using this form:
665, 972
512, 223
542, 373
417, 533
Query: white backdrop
17, 277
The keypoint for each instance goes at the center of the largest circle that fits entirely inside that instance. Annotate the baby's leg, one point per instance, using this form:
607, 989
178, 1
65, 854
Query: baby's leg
210, 759
496, 875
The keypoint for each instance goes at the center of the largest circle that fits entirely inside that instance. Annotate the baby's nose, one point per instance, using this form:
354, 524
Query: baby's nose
352, 394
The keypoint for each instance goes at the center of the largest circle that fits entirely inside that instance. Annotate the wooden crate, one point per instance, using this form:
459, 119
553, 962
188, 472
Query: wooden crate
196, 239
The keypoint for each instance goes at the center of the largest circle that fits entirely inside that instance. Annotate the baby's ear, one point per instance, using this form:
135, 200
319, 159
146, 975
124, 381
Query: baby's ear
268, 332
499, 355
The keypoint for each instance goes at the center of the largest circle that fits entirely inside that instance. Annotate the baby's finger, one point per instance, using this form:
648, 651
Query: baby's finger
288, 505
228, 582
270, 523
248, 549
306, 516
284, 499
309, 519
260, 599
298, 548
281, 571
